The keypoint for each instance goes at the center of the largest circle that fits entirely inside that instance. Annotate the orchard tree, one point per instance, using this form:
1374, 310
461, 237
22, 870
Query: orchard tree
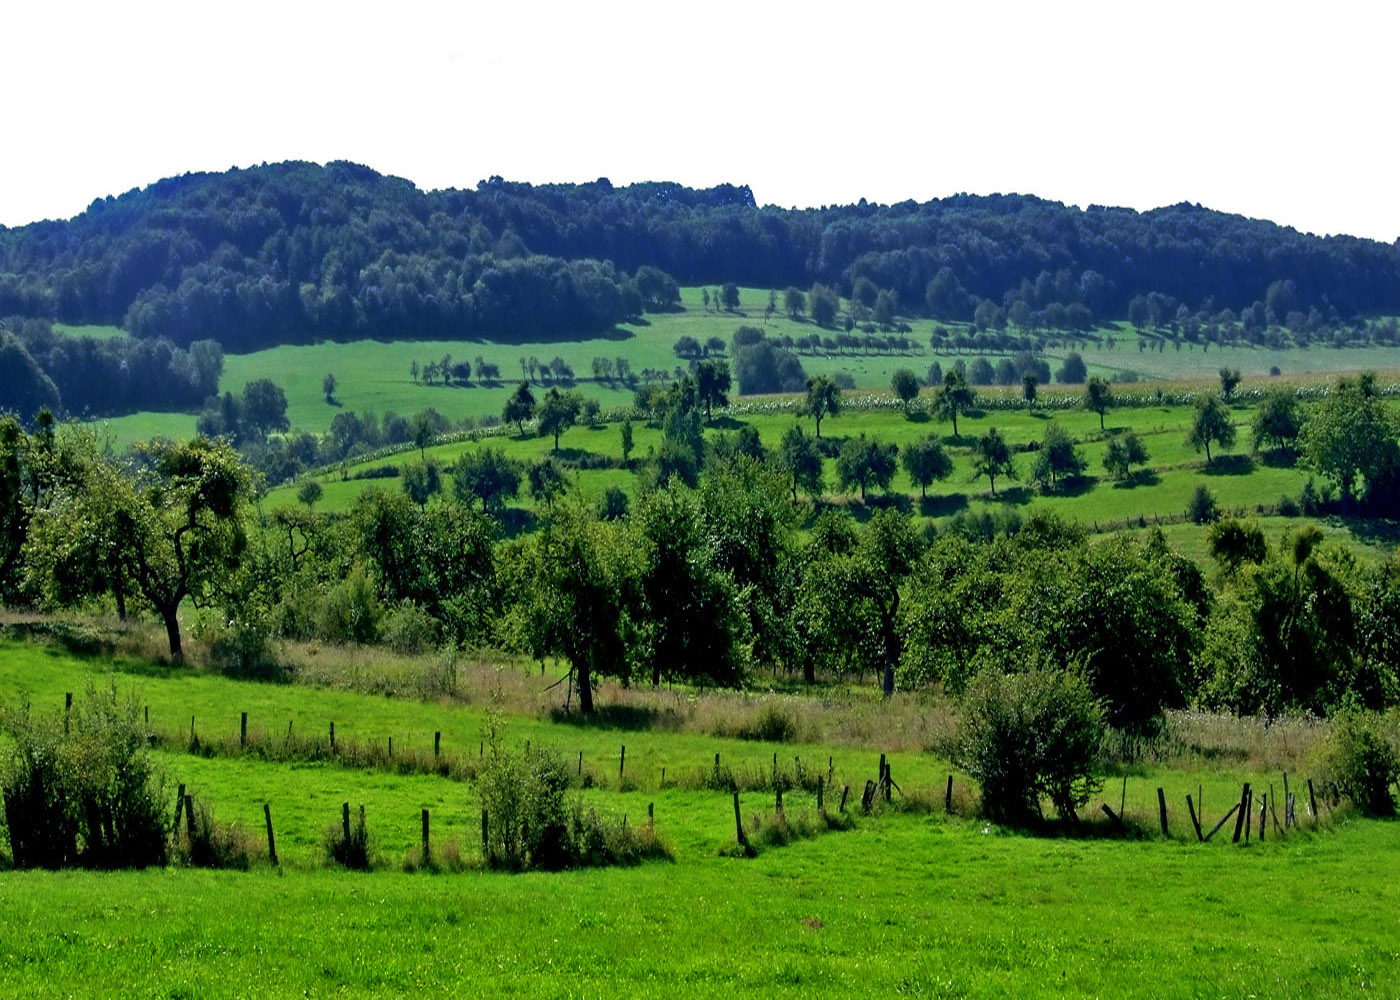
730, 296
1057, 458
1123, 452
906, 386
328, 385
712, 383
864, 462
421, 481
991, 457
558, 412
310, 493
1029, 384
486, 475
799, 460
955, 397
1229, 379
1098, 396
1350, 437
823, 399
520, 407
926, 461
1210, 424
1277, 422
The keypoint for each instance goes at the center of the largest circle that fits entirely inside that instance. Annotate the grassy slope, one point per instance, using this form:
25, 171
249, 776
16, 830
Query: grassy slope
374, 375
923, 905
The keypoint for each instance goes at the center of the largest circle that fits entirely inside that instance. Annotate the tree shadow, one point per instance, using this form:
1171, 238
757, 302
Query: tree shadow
1276, 458
944, 505
1014, 496
917, 416
726, 423
630, 718
1373, 531
1143, 477
1075, 486
1039, 415
516, 521
1229, 465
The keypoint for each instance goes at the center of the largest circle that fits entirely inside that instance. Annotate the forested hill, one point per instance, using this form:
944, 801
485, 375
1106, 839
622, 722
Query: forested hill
296, 252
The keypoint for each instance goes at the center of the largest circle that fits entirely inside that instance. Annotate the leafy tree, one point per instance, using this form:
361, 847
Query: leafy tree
485, 474
1202, 507
991, 457
423, 433
421, 481
795, 302
309, 494
823, 400
906, 386
265, 407
547, 481
176, 524
626, 441
1211, 423
955, 397
1073, 371
864, 462
763, 367
520, 407
730, 295
558, 412
1029, 382
1233, 543
824, 305
926, 461
1350, 438
801, 462
712, 383
328, 385
1123, 452
1277, 422
1229, 379
1098, 396
688, 347
1057, 458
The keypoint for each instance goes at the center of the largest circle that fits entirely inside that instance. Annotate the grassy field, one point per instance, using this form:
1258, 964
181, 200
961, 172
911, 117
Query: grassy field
909, 902
375, 375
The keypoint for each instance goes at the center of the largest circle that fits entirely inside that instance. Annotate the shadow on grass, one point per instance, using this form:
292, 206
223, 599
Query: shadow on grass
631, 718
943, 506
516, 521
1373, 531
1143, 477
1074, 486
1278, 459
1229, 465
1014, 496
917, 416
726, 424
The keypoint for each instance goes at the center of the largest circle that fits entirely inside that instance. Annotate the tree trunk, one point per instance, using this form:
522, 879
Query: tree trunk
809, 671
172, 631
585, 689
119, 592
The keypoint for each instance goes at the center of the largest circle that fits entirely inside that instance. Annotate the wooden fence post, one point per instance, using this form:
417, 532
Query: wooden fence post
437, 743
778, 805
580, 763
1195, 822
622, 762
179, 805
485, 844
67, 709
271, 843
426, 855
243, 731
1312, 799
1239, 818
739, 821
821, 807
332, 737
391, 748
345, 820
1162, 810
1223, 820
948, 796
845, 790
189, 816
651, 812
1287, 803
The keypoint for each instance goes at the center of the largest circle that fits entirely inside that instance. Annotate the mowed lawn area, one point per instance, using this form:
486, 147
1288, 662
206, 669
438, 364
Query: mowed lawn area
909, 902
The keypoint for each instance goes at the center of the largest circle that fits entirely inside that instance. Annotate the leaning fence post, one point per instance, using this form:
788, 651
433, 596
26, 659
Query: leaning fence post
485, 851
271, 843
1162, 810
948, 796
1239, 817
622, 762
845, 790
189, 816
425, 837
739, 821
1195, 822
179, 805
1312, 799
821, 807
332, 737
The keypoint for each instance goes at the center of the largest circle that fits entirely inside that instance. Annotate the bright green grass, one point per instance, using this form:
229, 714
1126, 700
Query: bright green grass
902, 905
94, 330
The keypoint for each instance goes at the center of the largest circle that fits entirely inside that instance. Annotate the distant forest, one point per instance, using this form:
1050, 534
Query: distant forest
296, 252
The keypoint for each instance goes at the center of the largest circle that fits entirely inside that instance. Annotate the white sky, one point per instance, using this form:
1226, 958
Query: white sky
1274, 110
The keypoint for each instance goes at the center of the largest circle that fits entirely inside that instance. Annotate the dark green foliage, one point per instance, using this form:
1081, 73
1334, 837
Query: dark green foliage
485, 474
1229, 380
1123, 452
905, 385
763, 367
954, 397
823, 400
82, 791
1360, 764
1073, 371
926, 461
1211, 424
991, 457
798, 459
1031, 736
1098, 397
1233, 543
557, 412
712, 383
865, 463
214, 844
1277, 422
354, 850
1350, 438
421, 481
1202, 508
1057, 458
520, 407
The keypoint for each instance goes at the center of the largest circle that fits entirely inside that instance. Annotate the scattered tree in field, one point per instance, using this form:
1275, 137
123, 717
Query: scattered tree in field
926, 461
328, 385
864, 462
1229, 379
730, 294
1073, 371
1202, 507
705, 298
1029, 385
520, 407
954, 397
823, 399
800, 462
558, 412
1098, 396
712, 383
795, 302
906, 386
1211, 424
1057, 458
687, 347
626, 441
413, 371
421, 481
1233, 543
309, 493
824, 305
991, 457
487, 475
1123, 452
547, 481
1277, 422
1350, 438
423, 433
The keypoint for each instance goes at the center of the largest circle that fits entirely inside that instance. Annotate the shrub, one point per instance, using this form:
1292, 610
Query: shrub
243, 650
1288, 507
1029, 736
84, 793
1202, 508
215, 844
1358, 762
408, 629
351, 611
772, 724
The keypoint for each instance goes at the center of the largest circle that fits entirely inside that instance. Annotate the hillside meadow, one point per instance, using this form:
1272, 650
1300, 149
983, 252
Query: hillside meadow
912, 901
375, 376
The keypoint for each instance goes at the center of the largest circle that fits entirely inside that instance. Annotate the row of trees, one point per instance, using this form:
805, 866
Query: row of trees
293, 252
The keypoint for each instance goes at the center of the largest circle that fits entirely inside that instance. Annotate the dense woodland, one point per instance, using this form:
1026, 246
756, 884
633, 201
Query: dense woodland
296, 252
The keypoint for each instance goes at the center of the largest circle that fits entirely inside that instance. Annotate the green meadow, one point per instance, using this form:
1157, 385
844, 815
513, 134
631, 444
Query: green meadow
375, 376
911, 901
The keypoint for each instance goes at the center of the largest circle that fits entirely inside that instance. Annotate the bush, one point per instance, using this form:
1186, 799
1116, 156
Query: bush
773, 724
1202, 508
1030, 736
351, 611
1358, 763
84, 793
243, 650
215, 844
409, 629
350, 846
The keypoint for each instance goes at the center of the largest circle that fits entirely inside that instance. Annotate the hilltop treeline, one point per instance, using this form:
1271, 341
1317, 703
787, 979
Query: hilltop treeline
295, 252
